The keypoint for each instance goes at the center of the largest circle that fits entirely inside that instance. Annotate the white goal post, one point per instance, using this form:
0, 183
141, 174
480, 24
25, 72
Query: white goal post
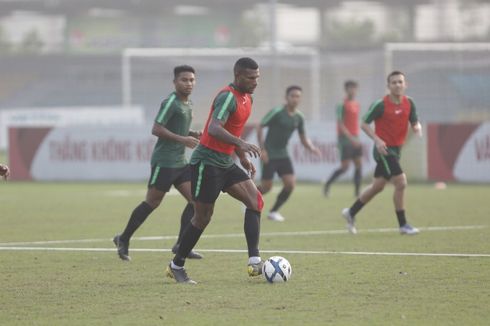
275, 55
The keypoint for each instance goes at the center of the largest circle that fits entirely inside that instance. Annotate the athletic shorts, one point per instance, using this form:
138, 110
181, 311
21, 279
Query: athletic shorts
207, 181
349, 152
387, 167
163, 178
282, 166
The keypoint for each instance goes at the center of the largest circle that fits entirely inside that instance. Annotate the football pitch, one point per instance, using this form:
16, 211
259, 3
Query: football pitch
58, 265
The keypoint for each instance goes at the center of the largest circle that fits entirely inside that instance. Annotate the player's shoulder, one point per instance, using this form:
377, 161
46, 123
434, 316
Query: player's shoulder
300, 114
169, 100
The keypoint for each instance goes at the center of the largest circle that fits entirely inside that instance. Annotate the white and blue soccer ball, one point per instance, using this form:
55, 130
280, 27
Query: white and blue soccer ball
277, 269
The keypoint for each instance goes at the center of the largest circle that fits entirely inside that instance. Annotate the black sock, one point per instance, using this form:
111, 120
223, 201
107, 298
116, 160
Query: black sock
251, 227
281, 199
190, 236
401, 217
139, 215
356, 207
185, 219
334, 176
357, 180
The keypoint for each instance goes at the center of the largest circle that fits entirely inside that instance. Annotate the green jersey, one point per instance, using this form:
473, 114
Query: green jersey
223, 106
281, 126
176, 117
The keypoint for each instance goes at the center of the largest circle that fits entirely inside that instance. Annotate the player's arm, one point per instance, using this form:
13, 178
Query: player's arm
414, 120
161, 131
375, 111
223, 106
306, 142
195, 133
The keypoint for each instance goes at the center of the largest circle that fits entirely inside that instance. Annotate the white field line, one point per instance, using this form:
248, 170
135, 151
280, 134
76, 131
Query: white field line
239, 235
300, 252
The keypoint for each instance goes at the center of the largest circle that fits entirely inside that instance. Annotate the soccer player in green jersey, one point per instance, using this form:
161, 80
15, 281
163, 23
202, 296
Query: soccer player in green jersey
282, 121
168, 163
391, 115
350, 147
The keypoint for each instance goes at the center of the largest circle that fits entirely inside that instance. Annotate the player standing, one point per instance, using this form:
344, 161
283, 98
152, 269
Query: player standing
282, 121
350, 147
168, 163
213, 169
391, 116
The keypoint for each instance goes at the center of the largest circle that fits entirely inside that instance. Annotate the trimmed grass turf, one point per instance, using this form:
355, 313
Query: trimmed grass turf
95, 288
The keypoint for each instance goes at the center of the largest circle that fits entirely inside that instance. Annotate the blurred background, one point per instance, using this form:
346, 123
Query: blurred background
93, 56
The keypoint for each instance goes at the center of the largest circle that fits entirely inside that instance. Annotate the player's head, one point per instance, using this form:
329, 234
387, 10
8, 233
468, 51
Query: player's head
247, 74
350, 87
293, 95
396, 83
184, 79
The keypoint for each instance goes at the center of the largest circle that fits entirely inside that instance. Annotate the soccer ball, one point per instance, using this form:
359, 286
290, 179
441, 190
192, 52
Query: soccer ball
277, 269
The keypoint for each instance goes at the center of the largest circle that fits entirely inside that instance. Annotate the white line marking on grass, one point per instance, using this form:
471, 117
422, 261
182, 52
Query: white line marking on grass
239, 235
301, 252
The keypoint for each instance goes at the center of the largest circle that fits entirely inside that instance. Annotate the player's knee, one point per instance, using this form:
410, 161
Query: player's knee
153, 202
378, 187
401, 185
289, 187
202, 217
259, 203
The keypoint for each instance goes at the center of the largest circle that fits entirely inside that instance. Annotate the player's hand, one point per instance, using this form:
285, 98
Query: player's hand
248, 165
4, 171
316, 151
190, 141
381, 146
417, 129
355, 142
251, 149
195, 133
264, 156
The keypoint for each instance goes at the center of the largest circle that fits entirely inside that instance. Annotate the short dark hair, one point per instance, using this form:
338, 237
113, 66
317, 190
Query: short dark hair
350, 83
183, 68
293, 88
245, 63
394, 73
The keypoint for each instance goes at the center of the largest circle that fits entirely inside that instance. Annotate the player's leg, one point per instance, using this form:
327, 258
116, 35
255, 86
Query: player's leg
345, 157
286, 172
206, 184
159, 184
239, 186
268, 170
400, 183
381, 176
357, 174
185, 219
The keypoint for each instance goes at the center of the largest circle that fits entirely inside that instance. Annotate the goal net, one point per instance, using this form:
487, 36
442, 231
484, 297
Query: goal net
450, 82
147, 75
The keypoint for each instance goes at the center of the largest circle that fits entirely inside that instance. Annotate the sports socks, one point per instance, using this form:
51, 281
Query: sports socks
356, 207
139, 215
190, 236
334, 176
185, 219
281, 199
251, 227
357, 180
402, 220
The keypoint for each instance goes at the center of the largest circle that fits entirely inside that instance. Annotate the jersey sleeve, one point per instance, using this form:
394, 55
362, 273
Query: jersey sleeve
375, 111
223, 106
413, 118
167, 109
340, 112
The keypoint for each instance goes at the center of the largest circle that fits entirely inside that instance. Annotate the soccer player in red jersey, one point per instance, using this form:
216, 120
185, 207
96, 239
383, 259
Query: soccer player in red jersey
391, 115
350, 147
213, 169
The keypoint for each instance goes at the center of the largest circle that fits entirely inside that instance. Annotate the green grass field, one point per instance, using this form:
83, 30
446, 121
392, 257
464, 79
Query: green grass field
333, 283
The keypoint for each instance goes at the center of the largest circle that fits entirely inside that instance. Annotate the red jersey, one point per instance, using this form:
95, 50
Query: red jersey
348, 114
234, 105
391, 120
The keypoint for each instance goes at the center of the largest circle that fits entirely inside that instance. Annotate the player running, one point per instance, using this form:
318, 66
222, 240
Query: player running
282, 121
350, 147
168, 163
391, 116
213, 169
